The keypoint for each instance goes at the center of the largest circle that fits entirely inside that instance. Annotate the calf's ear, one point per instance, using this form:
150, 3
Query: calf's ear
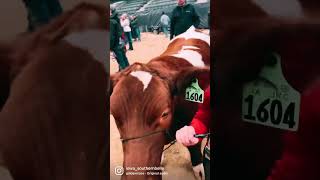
75, 20
241, 51
185, 77
113, 80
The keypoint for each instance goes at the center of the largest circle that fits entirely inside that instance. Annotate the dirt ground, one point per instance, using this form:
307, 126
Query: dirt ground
177, 158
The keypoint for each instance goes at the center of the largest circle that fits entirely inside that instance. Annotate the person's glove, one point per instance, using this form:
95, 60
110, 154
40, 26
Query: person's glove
186, 137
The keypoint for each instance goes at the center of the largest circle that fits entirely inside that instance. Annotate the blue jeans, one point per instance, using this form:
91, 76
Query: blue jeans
165, 30
206, 160
206, 163
129, 39
121, 58
137, 32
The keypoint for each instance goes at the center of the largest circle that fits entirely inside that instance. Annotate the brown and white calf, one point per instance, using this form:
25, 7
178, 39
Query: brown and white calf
149, 98
53, 116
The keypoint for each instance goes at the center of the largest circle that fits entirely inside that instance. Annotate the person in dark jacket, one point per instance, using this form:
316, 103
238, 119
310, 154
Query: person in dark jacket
115, 35
183, 17
40, 12
132, 25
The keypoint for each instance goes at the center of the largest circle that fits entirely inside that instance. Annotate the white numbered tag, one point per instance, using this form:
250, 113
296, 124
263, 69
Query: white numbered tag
194, 92
270, 100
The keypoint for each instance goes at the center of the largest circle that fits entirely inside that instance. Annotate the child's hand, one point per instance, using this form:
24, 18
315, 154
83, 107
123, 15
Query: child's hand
185, 136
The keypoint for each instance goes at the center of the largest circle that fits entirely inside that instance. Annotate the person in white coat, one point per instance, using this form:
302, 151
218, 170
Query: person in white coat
165, 22
125, 23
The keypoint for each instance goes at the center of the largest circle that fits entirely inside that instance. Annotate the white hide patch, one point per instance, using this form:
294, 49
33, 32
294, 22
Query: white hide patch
189, 54
192, 34
282, 9
5, 174
93, 41
144, 77
190, 47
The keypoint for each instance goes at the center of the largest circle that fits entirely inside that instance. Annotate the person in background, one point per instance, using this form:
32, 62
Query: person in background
125, 23
135, 28
132, 24
165, 22
115, 36
209, 19
183, 17
199, 125
40, 12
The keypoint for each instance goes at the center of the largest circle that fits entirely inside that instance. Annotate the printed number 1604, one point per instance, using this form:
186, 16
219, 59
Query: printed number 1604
276, 113
193, 96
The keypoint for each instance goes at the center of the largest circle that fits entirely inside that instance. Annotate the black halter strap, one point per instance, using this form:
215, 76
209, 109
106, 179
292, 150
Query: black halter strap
139, 137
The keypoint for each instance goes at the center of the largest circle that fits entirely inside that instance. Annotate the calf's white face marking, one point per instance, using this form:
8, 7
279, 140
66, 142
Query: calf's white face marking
189, 54
191, 33
93, 41
289, 8
143, 77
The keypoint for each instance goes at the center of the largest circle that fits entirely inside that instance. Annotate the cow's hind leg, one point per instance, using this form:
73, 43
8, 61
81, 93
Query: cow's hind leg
196, 161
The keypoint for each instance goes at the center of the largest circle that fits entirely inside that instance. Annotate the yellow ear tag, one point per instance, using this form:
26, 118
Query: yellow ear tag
194, 92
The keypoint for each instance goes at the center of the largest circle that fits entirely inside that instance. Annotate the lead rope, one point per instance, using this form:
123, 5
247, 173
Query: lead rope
149, 134
196, 135
171, 143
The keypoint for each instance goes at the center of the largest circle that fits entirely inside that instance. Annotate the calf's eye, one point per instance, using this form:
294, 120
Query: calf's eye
165, 114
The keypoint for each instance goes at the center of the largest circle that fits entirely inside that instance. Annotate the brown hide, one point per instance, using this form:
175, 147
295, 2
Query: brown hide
53, 124
83, 17
229, 11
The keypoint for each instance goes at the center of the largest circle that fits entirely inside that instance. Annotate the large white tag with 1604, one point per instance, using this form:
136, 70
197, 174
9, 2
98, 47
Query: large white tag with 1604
270, 100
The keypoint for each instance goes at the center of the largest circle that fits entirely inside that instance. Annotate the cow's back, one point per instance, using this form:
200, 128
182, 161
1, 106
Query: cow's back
190, 49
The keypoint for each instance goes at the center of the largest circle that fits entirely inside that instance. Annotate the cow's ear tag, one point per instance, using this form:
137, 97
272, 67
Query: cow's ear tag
270, 100
194, 92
